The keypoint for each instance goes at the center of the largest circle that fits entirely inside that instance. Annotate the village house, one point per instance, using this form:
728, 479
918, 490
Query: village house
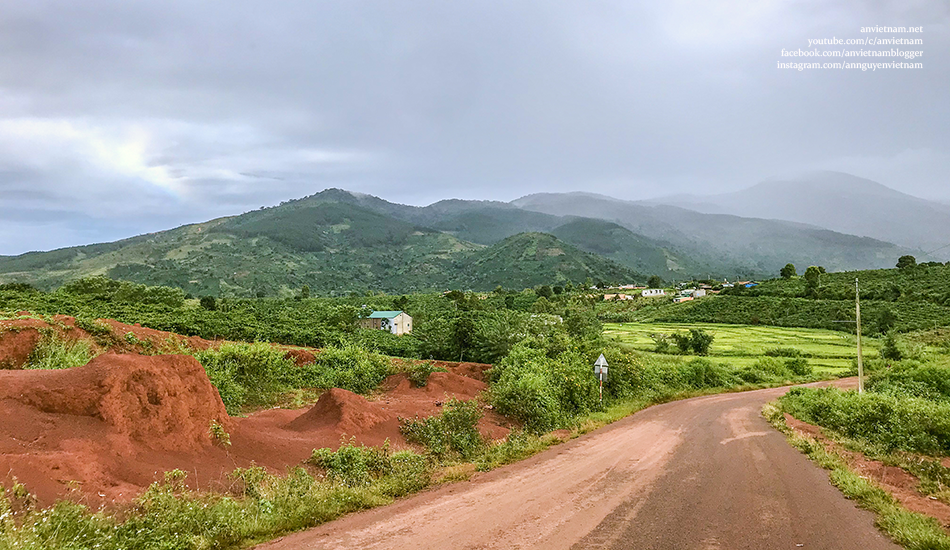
396, 322
653, 292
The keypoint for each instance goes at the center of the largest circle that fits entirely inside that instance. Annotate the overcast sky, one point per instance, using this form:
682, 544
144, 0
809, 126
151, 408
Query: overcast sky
122, 117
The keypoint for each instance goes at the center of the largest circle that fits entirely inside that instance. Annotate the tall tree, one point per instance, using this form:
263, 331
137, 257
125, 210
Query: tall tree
788, 271
906, 262
812, 281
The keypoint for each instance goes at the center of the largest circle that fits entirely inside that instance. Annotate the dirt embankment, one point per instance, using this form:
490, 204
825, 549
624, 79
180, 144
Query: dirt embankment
103, 432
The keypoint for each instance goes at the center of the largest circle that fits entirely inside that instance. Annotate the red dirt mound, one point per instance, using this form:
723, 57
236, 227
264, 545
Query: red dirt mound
16, 346
163, 401
469, 370
440, 384
343, 411
300, 357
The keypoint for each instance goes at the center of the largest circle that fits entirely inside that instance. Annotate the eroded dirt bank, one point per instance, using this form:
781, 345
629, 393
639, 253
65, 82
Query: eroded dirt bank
103, 432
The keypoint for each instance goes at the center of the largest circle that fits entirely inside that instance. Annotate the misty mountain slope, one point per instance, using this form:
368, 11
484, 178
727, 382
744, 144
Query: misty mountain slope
530, 259
728, 244
840, 202
487, 222
627, 248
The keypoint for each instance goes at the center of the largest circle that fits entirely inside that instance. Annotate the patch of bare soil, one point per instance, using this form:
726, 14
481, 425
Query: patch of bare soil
896, 481
103, 432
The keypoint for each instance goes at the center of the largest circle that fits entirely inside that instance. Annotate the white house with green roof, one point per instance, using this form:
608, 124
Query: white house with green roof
396, 322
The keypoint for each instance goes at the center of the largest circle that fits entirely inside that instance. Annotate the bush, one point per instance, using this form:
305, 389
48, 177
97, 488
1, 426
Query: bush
909, 379
701, 374
452, 433
93, 326
696, 341
889, 349
783, 352
541, 392
888, 421
351, 465
798, 366
418, 373
247, 374
349, 367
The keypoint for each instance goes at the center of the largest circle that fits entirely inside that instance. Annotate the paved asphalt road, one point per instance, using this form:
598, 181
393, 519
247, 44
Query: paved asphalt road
702, 473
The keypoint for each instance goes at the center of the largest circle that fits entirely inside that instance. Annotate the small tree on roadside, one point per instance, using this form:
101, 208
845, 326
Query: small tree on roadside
889, 349
788, 271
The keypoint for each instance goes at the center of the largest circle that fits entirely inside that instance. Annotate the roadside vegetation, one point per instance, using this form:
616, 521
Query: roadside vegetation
902, 420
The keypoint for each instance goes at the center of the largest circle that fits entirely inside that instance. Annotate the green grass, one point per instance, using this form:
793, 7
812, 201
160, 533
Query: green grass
829, 352
55, 351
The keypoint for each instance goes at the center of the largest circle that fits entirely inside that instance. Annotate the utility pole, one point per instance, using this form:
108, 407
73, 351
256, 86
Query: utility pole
857, 318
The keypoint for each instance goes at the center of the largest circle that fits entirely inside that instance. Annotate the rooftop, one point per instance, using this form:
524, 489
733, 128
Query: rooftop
384, 314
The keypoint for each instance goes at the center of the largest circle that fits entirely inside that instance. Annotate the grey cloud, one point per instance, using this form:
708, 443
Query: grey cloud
168, 112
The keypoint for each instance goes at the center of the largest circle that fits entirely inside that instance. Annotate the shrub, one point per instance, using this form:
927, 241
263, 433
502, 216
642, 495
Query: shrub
889, 349
702, 373
783, 352
696, 341
543, 393
452, 433
351, 465
418, 373
522, 389
94, 327
909, 379
798, 366
888, 421
247, 374
393, 474
349, 367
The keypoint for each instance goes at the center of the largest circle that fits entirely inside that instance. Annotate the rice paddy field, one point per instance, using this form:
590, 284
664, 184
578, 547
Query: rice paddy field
828, 351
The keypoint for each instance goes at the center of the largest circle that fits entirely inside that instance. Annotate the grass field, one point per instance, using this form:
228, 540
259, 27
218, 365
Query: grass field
742, 345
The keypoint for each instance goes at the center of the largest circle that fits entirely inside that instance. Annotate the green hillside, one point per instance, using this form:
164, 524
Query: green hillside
530, 259
929, 283
899, 299
626, 247
330, 246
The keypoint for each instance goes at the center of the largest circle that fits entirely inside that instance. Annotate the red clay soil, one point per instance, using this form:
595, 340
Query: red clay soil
103, 432
16, 347
896, 481
300, 357
158, 338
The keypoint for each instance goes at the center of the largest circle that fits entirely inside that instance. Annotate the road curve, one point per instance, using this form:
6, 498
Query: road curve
701, 473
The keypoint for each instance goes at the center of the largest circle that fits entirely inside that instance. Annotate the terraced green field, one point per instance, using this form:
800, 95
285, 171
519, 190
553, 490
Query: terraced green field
741, 345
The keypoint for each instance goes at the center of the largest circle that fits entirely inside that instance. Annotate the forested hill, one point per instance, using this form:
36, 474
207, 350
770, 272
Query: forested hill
328, 246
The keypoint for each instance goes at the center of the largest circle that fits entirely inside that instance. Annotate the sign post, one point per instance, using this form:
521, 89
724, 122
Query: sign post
600, 370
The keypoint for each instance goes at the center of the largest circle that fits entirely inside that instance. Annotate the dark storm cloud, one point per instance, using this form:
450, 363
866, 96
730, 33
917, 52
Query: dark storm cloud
121, 117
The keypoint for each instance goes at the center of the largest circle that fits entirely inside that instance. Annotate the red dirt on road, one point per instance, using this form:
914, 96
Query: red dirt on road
703, 473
